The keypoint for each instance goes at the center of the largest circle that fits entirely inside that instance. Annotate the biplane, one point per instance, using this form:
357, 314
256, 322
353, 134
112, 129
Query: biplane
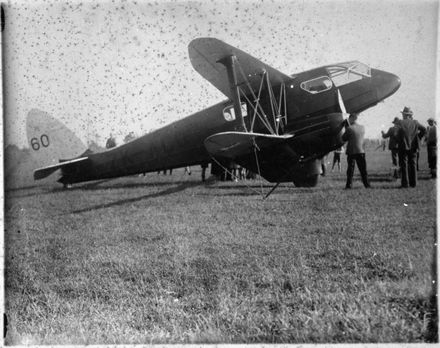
276, 125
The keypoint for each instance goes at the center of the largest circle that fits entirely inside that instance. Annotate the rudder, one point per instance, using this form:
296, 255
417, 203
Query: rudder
50, 140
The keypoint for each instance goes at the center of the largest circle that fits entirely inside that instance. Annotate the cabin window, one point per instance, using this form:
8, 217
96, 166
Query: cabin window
317, 85
345, 73
229, 112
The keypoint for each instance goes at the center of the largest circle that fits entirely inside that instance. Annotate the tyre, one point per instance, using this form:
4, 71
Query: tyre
309, 181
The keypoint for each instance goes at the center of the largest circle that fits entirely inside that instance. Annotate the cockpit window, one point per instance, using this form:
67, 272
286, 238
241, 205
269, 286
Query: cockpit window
229, 112
317, 85
344, 73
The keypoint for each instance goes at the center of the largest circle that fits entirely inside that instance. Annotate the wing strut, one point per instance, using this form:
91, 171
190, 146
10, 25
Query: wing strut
264, 92
277, 111
278, 107
271, 190
229, 62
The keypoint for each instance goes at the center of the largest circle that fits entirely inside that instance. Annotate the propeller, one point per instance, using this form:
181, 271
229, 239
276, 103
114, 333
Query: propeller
342, 107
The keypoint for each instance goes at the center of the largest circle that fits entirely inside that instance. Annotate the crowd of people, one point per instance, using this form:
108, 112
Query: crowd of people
405, 137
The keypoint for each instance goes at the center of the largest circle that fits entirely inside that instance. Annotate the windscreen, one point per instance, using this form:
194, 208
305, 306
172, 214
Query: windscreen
344, 73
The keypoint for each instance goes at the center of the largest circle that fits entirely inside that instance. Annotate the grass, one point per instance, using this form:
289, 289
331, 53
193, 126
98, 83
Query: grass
165, 259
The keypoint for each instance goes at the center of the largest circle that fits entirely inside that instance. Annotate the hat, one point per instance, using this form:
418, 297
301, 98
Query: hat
431, 119
396, 120
406, 111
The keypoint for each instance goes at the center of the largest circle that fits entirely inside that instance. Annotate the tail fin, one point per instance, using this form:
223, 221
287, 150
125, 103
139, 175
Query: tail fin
49, 140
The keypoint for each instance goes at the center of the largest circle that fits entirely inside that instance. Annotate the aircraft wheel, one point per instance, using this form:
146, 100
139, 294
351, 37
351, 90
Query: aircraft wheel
310, 181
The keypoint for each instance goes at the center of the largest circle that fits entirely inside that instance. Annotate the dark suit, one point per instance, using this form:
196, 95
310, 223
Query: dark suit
354, 135
393, 144
410, 133
431, 144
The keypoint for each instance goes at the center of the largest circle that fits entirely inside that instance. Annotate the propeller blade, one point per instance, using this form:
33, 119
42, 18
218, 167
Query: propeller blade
342, 107
341, 103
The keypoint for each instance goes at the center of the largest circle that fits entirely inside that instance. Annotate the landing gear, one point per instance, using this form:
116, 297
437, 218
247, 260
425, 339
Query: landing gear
307, 174
309, 181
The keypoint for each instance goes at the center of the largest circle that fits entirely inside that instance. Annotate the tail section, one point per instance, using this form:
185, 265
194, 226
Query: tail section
50, 141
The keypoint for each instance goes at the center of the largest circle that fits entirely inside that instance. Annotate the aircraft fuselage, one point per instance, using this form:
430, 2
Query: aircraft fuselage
314, 118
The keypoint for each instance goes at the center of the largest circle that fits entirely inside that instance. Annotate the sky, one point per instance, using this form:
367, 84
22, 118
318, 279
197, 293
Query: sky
116, 66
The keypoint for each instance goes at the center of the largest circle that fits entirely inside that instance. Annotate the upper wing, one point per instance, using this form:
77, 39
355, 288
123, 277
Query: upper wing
205, 54
46, 171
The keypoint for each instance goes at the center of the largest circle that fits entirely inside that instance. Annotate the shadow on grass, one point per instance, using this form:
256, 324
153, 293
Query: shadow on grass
44, 190
182, 186
244, 193
254, 190
19, 189
92, 186
24, 191
117, 185
373, 177
129, 185
239, 186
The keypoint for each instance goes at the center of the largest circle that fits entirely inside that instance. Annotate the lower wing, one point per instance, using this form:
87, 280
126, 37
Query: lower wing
265, 154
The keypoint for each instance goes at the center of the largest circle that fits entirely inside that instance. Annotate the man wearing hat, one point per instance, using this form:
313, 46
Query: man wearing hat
431, 144
393, 144
410, 133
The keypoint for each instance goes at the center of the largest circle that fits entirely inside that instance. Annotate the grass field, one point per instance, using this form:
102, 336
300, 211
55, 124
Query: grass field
166, 259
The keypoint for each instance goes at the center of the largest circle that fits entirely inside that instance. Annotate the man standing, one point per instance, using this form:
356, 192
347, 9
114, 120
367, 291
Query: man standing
410, 133
354, 135
337, 158
204, 167
431, 144
111, 142
323, 166
393, 144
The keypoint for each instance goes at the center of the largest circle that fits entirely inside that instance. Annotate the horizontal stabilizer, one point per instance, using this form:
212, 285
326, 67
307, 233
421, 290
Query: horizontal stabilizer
235, 144
46, 171
205, 54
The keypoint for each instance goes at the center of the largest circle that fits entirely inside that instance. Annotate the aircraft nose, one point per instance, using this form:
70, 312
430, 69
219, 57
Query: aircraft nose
385, 83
